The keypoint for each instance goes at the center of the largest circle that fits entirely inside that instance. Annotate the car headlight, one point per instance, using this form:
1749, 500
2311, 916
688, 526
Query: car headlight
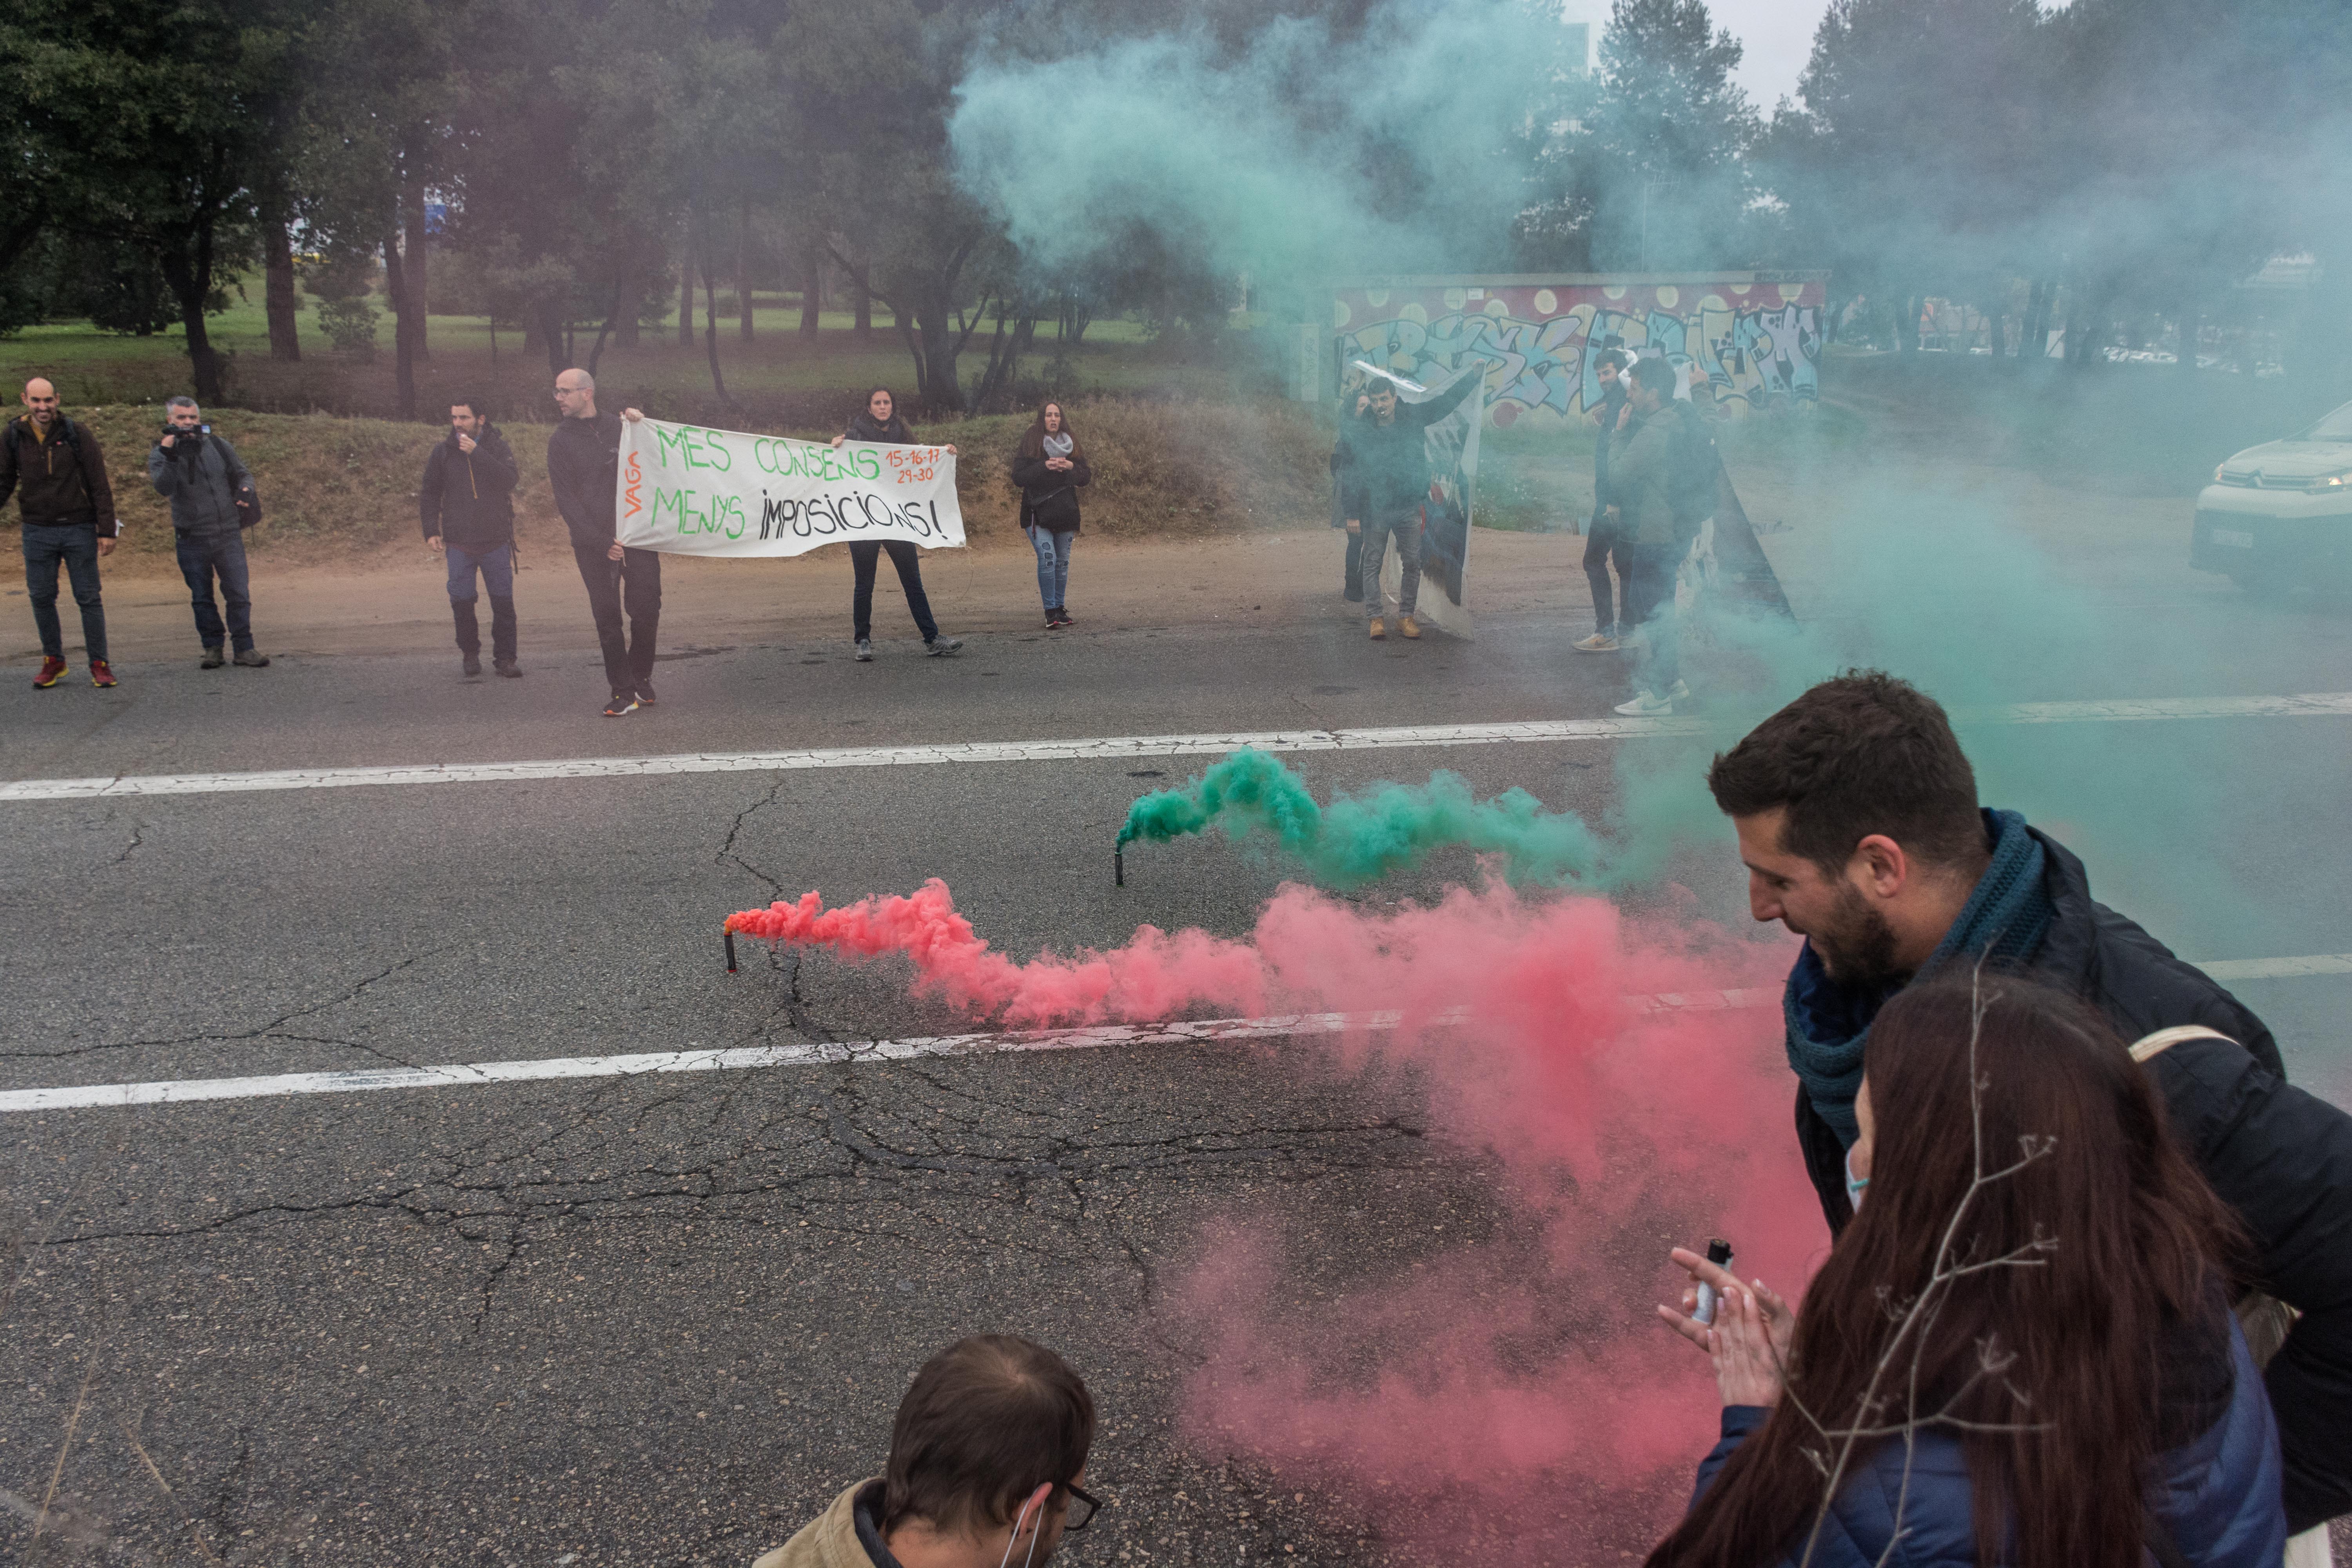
2216, 471
2333, 481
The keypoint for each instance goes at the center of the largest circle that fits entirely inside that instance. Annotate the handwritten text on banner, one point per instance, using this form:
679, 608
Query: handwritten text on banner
692, 490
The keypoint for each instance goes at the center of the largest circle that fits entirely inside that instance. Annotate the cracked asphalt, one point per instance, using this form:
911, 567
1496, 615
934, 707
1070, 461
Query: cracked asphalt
664, 1318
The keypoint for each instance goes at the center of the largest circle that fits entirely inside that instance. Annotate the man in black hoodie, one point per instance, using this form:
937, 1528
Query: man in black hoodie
583, 468
1858, 823
467, 505
55, 470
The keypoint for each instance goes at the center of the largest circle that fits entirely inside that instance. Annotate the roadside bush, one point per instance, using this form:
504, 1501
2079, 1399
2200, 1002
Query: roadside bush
334, 486
350, 325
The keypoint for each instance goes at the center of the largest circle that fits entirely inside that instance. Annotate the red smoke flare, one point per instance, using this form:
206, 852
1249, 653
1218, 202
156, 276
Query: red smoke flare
1515, 1397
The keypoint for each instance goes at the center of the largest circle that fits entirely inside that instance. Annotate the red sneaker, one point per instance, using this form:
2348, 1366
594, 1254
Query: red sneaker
53, 669
102, 674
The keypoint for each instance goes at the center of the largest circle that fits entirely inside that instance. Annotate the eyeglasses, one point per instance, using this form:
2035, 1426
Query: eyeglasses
1082, 1507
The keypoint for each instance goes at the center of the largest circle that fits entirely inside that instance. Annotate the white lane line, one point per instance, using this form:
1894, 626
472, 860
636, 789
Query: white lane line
474, 1074
2279, 968
1109, 748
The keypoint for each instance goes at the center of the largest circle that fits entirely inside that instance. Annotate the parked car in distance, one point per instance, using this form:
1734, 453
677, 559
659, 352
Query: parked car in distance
2280, 514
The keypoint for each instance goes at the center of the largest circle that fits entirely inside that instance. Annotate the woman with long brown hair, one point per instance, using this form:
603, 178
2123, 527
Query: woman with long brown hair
1050, 466
880, 421
2020, 1353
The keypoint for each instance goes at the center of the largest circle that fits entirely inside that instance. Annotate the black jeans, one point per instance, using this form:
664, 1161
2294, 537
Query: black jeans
628, 663
45, 544
1599, 545
866, 555
203, 557
1650, 603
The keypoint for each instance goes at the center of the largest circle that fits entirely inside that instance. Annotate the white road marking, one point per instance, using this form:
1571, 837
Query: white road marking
1110, 748
2278, 968
474, 1074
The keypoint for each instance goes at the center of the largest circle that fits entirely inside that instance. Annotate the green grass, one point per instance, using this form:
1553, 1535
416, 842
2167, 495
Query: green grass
780, 377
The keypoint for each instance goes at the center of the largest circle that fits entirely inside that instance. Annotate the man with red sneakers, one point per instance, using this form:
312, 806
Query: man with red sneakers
55, 470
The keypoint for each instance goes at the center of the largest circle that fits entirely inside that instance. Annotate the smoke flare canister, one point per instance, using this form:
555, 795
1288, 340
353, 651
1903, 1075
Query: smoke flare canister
731, 951
1119, 868
1719, 1252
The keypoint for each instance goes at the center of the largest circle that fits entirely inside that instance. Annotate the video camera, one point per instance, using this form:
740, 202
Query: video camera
185, 441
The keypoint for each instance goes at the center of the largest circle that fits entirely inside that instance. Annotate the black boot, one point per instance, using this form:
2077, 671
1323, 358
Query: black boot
469, 634
502, 629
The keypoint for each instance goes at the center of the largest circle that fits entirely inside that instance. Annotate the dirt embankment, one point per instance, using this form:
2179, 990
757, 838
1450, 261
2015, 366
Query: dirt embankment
344, 490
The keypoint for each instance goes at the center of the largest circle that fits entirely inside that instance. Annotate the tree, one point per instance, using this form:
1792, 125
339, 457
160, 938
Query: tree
868, 151
1659, 179
151, 130
553, 151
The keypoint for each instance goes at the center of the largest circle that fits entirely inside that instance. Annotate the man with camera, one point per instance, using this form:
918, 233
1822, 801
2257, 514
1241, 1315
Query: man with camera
466, 503
54, 467
213, 503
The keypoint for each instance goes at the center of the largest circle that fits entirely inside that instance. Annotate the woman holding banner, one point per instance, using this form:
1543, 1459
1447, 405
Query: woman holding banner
1050, 466
879, 422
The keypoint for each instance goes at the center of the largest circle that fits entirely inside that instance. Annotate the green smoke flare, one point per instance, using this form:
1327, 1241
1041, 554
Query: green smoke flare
1360, 838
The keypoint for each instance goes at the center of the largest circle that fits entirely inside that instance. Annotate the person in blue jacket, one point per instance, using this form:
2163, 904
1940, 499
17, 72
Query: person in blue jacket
2019, 1352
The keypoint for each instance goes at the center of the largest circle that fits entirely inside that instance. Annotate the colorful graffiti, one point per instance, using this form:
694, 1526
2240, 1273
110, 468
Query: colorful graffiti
1752, 340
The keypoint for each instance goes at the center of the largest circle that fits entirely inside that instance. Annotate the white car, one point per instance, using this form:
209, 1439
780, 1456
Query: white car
2280, 513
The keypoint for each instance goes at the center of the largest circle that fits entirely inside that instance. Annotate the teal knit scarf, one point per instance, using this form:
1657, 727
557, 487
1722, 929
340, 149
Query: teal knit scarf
2004, 919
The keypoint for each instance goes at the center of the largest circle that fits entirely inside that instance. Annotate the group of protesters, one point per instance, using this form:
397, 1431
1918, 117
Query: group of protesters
1654, 478
466, 507
2088, 1297
53, 465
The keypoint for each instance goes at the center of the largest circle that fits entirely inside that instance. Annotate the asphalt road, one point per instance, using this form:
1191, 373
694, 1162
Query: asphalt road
651, 1320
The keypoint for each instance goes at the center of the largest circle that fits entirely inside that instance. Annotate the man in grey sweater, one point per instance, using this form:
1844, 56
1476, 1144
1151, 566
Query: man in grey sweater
202, 476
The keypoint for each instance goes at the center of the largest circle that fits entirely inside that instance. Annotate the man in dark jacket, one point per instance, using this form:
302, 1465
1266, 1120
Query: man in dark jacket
1344, 504
584, 467
202, 476
1643, 487
1386, 468
1858, 822
1602, 540
467, 505
58, 474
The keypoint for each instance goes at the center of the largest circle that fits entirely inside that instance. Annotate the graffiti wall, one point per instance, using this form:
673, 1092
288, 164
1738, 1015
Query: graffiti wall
1751, 339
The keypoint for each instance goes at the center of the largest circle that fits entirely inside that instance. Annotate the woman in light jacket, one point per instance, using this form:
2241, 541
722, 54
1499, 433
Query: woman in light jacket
1050, 467
2021, 1352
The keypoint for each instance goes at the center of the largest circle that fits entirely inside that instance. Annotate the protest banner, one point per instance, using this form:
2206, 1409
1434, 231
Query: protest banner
689, 489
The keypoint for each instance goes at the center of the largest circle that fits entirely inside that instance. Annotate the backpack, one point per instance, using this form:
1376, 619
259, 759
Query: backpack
1694, 463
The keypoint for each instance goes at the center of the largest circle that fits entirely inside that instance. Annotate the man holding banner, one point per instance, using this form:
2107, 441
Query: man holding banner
583, 461
691, 490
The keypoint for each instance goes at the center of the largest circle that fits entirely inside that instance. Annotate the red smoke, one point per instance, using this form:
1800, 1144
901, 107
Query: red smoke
1515, 1395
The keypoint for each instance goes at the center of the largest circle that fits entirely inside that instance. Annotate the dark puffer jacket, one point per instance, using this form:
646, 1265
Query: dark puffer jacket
60, 481
2279, 1158
467, 497
584, 469
1385, 468
2217, 1494
201, 475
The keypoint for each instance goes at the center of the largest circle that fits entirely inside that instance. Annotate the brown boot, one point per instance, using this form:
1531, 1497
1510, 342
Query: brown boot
1408, 625
1379, 628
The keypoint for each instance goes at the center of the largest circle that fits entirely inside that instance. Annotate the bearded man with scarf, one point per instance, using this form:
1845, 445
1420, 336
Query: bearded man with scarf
1859, 825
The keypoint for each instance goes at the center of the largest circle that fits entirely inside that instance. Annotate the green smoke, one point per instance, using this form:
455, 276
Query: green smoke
1358, 839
